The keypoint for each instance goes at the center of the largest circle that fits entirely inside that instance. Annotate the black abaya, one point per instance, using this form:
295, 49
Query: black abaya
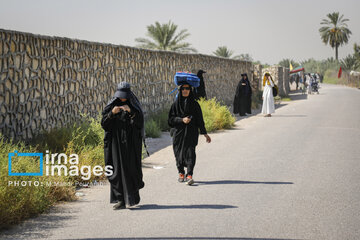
123, 150
200, 91
185, 136
242, 100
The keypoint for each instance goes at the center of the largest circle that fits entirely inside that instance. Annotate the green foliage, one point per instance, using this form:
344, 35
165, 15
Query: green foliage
244, 57
357, 52
30, 199
157, 122
286, 63
335, 31
161, 118
152, 129
84, 139
223, 51
330, 77
350, 63
314, 66
216, 116
164, 37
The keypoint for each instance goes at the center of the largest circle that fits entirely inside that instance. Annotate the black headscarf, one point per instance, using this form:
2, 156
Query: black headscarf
183, 104
247, 88
133, 101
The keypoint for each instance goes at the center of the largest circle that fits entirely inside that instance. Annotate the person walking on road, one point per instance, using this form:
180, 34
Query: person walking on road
242, 100
123, 122
185, 120
268, 106
309, 81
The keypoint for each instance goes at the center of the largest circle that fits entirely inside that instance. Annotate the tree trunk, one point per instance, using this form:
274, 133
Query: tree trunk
336, 52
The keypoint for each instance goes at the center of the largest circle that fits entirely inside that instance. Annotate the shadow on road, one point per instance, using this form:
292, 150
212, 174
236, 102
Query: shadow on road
163, 238
237, 182
275, 115
297, 95
198, 206
34, 228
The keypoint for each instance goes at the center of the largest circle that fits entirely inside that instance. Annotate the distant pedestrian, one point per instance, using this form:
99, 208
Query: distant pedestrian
297, 79
186, 120
309, 81
123, 122
200, 91
268, 106
242, 100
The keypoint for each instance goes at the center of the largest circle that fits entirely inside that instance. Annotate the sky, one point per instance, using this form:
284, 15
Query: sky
268, 30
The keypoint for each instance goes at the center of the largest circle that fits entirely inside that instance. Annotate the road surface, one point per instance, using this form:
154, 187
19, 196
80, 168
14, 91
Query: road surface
295, 175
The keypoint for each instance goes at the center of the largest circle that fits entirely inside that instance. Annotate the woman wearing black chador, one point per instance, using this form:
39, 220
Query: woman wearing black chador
185, 120
242, 100
123, 122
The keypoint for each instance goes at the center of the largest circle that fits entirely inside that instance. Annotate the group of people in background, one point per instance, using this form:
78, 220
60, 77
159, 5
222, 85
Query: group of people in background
123, 123
307, 82
243, 96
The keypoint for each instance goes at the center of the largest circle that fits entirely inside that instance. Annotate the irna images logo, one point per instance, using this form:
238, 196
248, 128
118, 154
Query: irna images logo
16, 154
59, 164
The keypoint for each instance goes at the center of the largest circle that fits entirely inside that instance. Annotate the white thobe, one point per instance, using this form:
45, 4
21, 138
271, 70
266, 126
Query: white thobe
268, 106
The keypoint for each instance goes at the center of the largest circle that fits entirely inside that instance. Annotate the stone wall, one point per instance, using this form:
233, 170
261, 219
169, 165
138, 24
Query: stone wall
257, 77
286, 81
281, 78
48, 82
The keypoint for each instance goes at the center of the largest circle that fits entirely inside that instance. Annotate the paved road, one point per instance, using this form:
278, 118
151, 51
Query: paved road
293, 176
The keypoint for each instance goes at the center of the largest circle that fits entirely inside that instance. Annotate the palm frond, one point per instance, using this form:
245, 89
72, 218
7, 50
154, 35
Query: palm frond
165, 38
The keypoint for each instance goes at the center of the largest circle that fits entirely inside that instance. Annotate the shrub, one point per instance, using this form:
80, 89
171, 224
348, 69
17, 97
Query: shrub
216, 116
161, 118
152, 129
30, 199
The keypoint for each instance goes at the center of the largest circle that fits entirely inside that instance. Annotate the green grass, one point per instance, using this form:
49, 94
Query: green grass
330, 80
286, 99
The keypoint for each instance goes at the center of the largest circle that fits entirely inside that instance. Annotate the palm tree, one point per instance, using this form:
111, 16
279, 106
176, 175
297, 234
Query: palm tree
223, 51
164, 37
335, 32
286, 63
244, 57
357, 52
349, 63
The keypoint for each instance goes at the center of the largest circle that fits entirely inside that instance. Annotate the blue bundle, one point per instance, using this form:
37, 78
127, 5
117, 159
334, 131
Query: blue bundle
182, 78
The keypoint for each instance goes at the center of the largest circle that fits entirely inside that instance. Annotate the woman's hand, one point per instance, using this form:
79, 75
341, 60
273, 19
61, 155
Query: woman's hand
116, 109
208, 139
186, 120
125, 108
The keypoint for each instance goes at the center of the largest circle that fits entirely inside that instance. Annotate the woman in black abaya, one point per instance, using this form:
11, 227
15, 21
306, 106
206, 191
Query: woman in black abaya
242, 100
185, 119
123, 122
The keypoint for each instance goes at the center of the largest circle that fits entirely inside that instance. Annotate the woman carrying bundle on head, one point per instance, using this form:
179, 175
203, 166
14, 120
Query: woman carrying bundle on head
186, 120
